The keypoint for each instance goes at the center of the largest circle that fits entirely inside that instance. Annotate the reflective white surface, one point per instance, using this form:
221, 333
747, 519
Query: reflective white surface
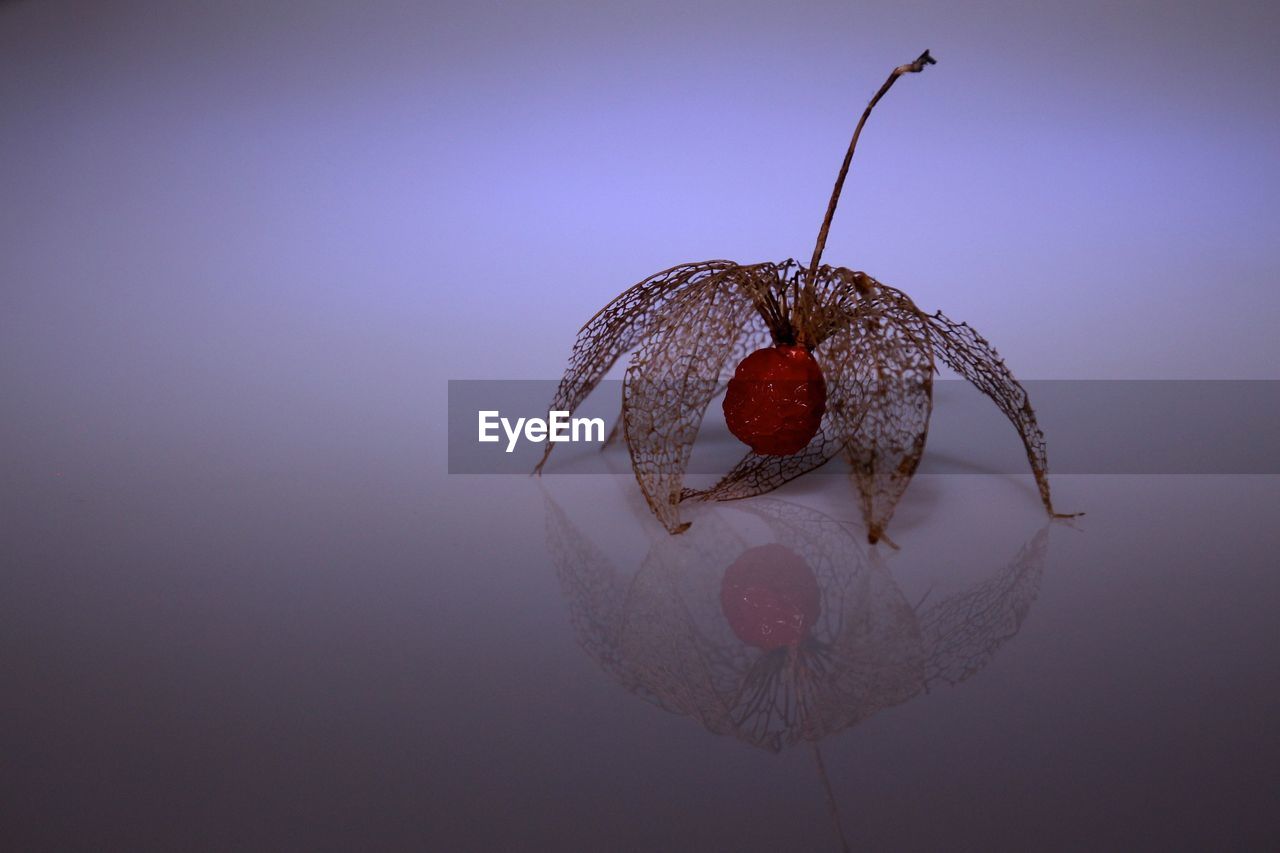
244, 246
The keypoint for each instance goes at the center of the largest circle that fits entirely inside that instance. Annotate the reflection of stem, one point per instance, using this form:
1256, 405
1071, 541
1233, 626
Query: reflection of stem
796, 664
832, 809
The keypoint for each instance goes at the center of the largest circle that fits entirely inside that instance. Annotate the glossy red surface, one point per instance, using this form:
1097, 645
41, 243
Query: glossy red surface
775, 400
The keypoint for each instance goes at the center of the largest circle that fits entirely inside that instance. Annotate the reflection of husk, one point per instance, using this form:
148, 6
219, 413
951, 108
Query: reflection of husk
965, 630
662, 634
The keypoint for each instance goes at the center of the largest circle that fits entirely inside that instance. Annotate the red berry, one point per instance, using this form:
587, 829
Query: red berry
770, 597
775, 400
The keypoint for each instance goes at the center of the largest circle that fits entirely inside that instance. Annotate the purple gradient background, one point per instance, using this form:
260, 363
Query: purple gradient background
244, 245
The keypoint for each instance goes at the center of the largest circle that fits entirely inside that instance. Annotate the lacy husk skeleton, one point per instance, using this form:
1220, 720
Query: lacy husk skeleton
688, 326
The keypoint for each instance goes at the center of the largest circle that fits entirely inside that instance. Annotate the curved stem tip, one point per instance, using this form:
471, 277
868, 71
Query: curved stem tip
910, 68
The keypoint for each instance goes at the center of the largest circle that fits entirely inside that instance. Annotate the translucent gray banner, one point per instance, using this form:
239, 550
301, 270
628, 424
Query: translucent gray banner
1092, 427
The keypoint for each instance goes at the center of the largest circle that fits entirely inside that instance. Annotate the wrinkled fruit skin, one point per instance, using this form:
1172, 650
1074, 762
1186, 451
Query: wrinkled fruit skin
770, 597
775, 400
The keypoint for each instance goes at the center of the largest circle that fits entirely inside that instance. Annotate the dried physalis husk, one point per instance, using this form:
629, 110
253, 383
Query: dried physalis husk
868, 348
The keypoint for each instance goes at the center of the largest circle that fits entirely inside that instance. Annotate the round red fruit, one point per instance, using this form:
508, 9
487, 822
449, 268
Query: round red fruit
775, 400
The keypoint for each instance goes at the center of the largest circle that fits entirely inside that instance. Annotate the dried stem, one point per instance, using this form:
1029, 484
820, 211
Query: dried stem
911, 67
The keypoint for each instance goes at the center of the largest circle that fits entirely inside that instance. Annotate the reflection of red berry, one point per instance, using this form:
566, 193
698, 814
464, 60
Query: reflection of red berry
770, 597
775, 400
